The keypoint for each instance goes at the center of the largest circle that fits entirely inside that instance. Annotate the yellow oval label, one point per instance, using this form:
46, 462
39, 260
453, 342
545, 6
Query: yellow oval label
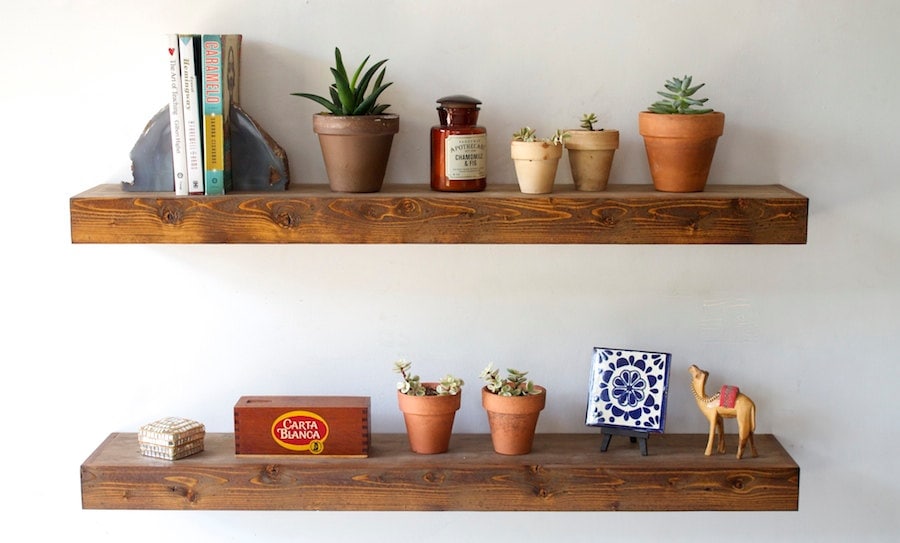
300, 431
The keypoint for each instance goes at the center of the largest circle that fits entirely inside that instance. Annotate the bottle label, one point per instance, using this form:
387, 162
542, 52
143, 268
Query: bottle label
466, 156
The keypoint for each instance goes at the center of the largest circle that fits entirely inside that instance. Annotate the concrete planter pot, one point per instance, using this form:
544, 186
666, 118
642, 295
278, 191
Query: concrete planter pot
356, 149
536, 164
591, 154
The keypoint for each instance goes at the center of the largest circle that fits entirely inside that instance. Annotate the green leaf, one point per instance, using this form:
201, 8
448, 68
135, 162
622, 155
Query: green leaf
358, 71
339, 63
318, 99
367, 104
692, 90
344, 92
360, 91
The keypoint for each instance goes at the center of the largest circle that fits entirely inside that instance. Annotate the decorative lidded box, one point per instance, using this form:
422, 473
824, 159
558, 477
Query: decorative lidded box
302, 425
171, 438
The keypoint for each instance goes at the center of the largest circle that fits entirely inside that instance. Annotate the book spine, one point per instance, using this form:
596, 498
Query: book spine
191, 103
176, 118
231, 70
213, 120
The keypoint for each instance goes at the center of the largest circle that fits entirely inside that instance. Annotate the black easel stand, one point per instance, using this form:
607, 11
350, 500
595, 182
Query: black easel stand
633, 435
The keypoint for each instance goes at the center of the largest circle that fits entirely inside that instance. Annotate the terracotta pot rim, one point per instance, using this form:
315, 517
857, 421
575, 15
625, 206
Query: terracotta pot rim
494, 402
672, 125
429, 404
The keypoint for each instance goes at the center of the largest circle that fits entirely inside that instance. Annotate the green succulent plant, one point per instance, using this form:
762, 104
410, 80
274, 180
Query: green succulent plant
411, 385
588, 120
527, 134
348, 95
679, 99
515, 383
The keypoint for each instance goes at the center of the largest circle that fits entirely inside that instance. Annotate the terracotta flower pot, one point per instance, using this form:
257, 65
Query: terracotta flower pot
680, 148
429, 420
591, 155
536, 163
513, 419
355, 149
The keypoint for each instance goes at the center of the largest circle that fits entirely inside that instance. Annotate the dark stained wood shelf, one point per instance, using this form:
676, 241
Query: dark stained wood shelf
402, 213
564, 472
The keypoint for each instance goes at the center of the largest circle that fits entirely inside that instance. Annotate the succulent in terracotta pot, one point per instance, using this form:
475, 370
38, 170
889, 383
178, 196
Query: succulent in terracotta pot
429, 408
355, 133
591, 151
680, 137
513, 405
536, 159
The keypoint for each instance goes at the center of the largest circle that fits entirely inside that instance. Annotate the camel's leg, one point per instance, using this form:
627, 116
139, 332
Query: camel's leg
753, 446
712, 435
720, 424
745, 433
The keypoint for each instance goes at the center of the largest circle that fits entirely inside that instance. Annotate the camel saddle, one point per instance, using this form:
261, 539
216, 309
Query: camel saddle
728, 395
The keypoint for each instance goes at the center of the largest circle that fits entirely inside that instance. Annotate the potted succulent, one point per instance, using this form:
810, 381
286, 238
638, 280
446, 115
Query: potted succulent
536, 159
355, 133
591, 151
513, 405
428, 409
680, 137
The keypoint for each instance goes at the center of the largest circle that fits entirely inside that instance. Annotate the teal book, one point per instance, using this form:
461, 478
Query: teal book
212, 84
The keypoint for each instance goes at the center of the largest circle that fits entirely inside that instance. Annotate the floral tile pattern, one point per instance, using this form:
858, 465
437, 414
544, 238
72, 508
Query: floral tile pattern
628, 389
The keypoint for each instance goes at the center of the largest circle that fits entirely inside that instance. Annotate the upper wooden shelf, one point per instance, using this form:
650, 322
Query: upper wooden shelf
723, 214
564, 472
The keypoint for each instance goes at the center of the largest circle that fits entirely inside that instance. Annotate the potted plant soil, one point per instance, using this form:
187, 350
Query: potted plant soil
591, 152
536, 160
680, 140
428, 409
513, 405
355, 134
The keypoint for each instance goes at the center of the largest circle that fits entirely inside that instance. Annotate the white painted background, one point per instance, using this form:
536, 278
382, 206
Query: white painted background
95, 340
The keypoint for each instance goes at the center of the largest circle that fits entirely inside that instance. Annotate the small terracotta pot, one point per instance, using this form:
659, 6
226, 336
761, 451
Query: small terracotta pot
429, 420
355, 149
591, 155
536, 163
680, 148
513, 419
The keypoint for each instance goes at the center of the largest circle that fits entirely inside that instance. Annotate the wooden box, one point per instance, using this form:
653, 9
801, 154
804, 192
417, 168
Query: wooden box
302, 425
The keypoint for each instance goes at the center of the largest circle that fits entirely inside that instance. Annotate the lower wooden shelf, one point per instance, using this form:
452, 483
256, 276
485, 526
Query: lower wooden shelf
564, 472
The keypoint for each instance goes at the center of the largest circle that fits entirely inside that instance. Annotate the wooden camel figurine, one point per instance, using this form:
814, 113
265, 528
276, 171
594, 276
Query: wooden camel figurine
742, 408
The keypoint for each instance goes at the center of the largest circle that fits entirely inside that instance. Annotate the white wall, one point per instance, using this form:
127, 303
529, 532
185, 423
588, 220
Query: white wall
809, 331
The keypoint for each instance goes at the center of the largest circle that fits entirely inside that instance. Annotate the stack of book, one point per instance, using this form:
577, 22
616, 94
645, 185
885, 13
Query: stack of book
204, 83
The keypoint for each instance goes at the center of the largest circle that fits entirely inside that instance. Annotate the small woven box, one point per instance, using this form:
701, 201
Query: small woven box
171, 438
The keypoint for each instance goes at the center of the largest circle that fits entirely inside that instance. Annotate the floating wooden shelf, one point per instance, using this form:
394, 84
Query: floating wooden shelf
723, 214
564, 472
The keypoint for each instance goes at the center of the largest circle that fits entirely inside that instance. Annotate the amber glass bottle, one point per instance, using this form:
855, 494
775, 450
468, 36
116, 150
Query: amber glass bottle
458, 146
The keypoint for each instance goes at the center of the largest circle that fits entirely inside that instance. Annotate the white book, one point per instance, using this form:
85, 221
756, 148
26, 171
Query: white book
176, 118
189, 49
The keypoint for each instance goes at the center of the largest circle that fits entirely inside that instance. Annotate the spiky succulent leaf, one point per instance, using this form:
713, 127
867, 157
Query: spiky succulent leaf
363, 86
318, 99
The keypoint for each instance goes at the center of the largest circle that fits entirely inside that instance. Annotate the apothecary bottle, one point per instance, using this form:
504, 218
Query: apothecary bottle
458, 146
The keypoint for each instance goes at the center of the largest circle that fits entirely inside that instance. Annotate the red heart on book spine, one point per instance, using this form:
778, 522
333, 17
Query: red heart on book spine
171, 51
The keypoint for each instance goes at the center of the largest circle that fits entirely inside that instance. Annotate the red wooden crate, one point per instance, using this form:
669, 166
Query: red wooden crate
302, 425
